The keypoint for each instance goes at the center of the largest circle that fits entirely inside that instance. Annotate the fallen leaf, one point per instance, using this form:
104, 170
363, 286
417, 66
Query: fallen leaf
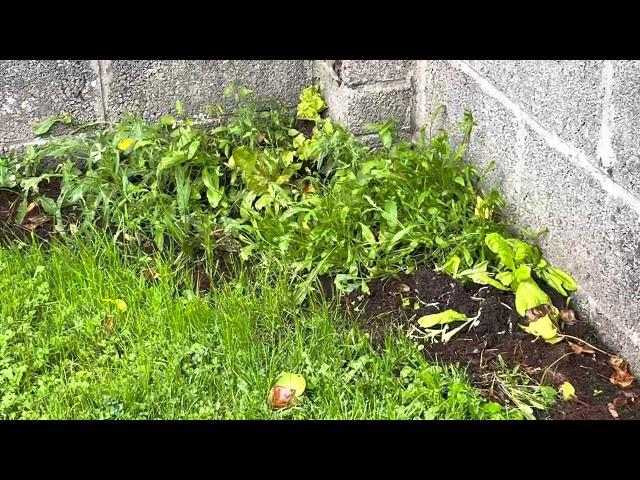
580, 349
31, 206
109, 323
613, 411
309, 188
151, 275
281, 397
121, 304
540, 311
545, 328
619, 402
616, 362
568, 317
568, 391
287, 389
441, 318
35, 221
621, 377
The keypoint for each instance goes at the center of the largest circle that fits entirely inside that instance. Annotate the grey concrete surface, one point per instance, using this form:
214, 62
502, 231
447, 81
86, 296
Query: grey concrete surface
34, 89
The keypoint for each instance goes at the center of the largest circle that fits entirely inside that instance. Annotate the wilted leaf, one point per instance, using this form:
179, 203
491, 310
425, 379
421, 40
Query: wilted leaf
109, 324
621, 376
568, 391
545, 328
287, 389
530, 295
613, 411
619, 402
150, 274
568, 317
441, 318
579, 348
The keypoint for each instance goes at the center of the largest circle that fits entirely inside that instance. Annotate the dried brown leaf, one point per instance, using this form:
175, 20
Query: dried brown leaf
568, 317
613, 411
619, 402
622, 378
580, 349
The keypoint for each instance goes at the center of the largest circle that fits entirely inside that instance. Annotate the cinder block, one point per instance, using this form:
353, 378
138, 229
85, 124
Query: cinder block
31, 90
566, 97
151, 87
358, 72
626, 124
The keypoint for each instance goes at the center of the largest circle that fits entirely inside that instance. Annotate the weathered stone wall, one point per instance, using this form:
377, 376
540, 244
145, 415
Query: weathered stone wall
104, 89
564, 136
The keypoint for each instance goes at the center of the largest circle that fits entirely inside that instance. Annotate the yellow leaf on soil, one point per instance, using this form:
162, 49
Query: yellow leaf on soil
568, 391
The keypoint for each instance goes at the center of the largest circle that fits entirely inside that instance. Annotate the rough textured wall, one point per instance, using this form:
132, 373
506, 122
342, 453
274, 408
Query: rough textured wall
564, 136
103, 89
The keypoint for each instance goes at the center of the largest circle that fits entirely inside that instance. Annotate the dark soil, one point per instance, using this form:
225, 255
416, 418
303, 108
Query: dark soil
36, 222
305, 127
496, 334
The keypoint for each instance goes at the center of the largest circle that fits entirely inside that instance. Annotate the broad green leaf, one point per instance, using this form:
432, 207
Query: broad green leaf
167, 120
441, 318
46, 124
121, 305
505, 278
244, 158
451, 266
367, 234
523, 272
567, 280
193, 148
529, 295
498, 245
49, 205
391, 209
263, 201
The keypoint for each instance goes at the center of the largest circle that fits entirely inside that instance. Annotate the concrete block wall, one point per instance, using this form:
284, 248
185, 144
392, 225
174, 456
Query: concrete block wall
104, 89
564, 136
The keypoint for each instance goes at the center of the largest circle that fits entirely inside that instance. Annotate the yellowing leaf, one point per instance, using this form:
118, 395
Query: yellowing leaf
545, 328
125, 144
294, 381
121, 304
568, 391
529, 295
287, 389
441, 318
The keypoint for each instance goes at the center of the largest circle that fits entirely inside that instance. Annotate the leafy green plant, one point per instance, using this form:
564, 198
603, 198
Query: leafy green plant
311, 104
253, 184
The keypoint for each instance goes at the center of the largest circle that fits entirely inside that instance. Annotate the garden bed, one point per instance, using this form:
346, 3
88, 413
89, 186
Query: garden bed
391, 303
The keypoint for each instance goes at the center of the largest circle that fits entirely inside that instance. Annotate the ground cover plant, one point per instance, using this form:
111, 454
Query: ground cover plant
268, 183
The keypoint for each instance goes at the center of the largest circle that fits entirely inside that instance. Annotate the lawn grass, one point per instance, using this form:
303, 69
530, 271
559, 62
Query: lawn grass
68, 352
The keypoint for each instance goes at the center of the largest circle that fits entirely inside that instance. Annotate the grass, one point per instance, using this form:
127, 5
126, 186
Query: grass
68, 352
